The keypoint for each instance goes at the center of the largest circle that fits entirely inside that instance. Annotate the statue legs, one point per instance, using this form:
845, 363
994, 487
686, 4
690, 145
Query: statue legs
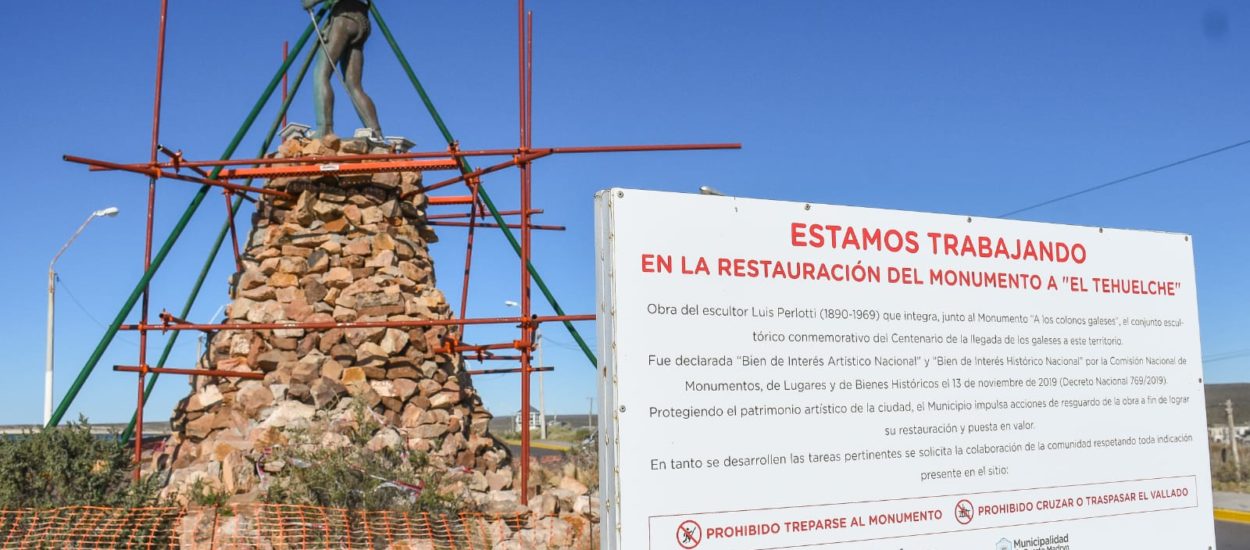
344, 45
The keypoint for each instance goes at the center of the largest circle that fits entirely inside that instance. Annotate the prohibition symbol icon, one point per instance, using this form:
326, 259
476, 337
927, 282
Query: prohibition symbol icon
689, 534
964, 512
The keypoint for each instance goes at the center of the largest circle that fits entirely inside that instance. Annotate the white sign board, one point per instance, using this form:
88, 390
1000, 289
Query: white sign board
786, 375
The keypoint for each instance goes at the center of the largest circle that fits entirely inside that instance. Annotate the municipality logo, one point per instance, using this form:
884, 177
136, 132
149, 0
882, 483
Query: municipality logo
1004, 544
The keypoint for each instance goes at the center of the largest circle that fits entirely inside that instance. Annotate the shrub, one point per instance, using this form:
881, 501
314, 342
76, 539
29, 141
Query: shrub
357, 478
68, 466
203, 494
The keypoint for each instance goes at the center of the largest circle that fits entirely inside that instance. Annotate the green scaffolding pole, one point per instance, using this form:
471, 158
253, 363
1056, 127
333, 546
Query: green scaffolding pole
179, 227
217, 244
465, 168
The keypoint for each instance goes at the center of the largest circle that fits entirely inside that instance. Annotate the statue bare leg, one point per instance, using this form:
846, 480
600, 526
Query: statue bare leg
345, 36
353, 67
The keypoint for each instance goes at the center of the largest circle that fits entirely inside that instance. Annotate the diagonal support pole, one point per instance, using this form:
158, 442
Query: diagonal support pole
218, 243
466, 168
168, 245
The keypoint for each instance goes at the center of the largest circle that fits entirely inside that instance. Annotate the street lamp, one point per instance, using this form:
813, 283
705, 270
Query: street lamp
542, 409
47, 381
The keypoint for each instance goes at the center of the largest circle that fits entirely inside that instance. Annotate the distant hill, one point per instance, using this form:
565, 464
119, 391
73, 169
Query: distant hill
1217, 394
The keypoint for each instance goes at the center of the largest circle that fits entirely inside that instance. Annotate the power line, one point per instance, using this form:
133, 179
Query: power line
83, 308
1127, 178
560, 344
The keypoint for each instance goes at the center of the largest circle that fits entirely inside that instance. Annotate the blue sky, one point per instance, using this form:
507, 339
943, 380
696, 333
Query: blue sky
975, 108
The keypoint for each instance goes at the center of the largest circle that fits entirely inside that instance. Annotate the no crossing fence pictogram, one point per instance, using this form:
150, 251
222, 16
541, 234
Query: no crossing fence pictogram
964, 511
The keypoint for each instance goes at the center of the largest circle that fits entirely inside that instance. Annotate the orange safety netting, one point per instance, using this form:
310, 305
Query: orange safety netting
89, 527
279, 526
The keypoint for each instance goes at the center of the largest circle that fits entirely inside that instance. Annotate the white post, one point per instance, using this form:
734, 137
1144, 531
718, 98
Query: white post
542, 408
47, 371
47, 383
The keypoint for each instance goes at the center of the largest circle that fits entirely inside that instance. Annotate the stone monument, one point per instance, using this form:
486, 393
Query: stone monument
342, 249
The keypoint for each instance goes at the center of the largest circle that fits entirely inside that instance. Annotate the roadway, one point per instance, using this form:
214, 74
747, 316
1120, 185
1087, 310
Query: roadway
1232, 527
1232, 536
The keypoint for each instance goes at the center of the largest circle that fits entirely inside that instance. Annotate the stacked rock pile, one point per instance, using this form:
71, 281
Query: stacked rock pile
341, 249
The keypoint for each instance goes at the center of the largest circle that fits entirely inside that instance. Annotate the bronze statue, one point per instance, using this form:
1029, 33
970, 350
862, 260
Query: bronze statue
342, 42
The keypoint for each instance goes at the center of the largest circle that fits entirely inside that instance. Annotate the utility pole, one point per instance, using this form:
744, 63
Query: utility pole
1232, 439
590, 412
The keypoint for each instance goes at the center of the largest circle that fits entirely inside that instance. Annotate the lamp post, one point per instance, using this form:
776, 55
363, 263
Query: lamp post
542, 409
47, 381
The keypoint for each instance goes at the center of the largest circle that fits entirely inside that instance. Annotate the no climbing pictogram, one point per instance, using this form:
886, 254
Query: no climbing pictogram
689, 534
964, 512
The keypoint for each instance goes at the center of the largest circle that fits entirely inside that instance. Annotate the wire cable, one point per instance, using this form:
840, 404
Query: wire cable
560, 344
83, 308
1128, 178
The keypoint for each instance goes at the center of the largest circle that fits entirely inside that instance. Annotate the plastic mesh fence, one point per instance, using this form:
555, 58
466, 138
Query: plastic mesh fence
90, 527
277, 526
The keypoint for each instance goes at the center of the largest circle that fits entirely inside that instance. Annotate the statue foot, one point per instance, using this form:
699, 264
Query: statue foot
374, 137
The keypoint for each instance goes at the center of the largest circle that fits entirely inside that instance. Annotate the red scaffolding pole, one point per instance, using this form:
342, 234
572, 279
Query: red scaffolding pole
522, 157
527, 329
147, 242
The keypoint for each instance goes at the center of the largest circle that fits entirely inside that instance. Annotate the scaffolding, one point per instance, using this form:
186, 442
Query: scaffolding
234, 178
